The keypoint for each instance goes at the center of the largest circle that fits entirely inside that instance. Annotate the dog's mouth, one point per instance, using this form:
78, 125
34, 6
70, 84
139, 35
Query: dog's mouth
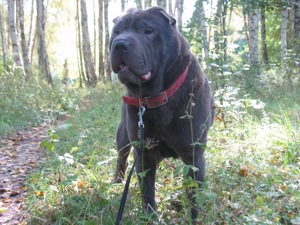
145, 77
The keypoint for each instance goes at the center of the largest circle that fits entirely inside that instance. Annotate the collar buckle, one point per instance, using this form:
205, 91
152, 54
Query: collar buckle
160, 100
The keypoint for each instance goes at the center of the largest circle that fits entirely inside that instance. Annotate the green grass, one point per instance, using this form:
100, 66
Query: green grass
252, 169
23, 105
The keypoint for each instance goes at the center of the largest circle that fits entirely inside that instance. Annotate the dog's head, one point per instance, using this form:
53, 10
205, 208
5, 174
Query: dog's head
144, 45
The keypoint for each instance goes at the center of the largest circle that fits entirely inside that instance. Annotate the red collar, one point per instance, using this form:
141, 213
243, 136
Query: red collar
162, 98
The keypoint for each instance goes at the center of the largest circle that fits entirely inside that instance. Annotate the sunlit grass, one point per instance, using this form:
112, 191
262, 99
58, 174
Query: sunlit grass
252, 171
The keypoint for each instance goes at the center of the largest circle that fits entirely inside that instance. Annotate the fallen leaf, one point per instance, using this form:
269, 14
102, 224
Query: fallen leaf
80, 184
167, 181
12, 154
7, 200
39, 193
243, 172
3, 210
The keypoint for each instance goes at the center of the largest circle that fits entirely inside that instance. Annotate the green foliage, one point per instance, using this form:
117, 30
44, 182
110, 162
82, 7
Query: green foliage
252, 166
30, 103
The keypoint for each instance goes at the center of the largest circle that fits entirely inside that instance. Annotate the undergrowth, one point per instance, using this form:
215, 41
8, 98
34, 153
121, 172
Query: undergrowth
252, 156
32, 103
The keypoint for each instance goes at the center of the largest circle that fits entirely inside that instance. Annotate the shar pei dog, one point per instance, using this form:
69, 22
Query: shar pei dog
153, 61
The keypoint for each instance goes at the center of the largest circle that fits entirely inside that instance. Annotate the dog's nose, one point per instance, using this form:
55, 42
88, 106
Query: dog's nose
121, 45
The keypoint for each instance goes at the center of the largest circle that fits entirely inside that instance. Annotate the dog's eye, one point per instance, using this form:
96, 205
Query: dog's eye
117, 32
148, 30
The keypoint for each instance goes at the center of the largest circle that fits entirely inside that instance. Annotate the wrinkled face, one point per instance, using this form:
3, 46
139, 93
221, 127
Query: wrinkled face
140, 45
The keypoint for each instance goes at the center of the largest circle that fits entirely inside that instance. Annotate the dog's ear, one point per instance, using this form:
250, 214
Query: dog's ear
171, 19
162, 12
115, 19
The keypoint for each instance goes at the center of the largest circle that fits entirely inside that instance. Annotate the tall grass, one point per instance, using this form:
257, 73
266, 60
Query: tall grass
252, 168
31, 103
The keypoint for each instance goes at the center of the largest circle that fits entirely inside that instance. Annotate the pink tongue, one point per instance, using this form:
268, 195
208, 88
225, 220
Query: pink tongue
146, 76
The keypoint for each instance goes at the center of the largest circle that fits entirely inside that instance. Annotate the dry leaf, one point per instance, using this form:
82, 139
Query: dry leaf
3, 210
11, 154
7, 200
243, 172
39, 193
80, 184
167, 181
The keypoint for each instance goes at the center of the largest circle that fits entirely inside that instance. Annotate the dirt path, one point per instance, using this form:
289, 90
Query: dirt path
19, 155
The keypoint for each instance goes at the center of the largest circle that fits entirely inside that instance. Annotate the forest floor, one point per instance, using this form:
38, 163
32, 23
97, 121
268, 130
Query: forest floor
19, 156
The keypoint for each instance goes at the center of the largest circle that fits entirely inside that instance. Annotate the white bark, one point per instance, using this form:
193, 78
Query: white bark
13, 32
179, 7
253, 36
86, 45
107, 59
3, 44
203, 30
44, 64
25, 52
284, 24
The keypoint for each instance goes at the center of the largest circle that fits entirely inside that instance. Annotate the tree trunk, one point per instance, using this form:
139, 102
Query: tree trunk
101, 58
284, 24
25, 51
79, 47
224, 30
253, 36
162, 3
42, 51
200, 17
95, 35
217, 22
264, 50
122, 5
147, 3
296, 35
3, 45
107, 59
138, 4
86, 45
13, 32
179, 7
29, 44
170, 7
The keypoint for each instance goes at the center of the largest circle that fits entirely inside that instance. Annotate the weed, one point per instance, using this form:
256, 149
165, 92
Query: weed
252, 168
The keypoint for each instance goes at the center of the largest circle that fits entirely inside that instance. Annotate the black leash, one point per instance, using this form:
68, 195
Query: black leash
126, 188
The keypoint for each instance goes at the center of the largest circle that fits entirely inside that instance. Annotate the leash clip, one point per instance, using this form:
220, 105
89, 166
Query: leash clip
141, 112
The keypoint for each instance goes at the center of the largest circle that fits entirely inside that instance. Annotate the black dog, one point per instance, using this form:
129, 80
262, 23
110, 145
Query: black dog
154, 62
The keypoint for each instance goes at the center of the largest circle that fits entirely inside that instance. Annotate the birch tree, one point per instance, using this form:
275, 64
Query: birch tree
13, 32
122, 5
162, 3
253, 34
170, 7
3, 44
79, 47
30, 43
107, 59
179, 9
86, 46
138, 4
25, 52
100, 26
147, 3
204, 30
296, 34
200, 19
264, 50
284, 24
43, 60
